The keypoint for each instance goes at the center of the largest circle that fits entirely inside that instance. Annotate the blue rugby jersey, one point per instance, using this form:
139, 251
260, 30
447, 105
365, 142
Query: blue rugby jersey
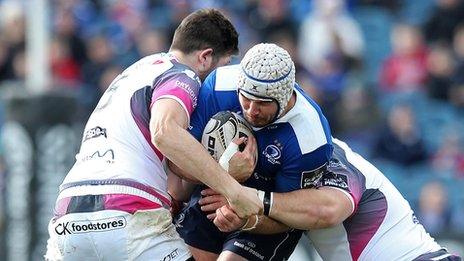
288, 149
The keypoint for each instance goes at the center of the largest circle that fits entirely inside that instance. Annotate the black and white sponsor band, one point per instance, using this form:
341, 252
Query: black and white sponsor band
85, 226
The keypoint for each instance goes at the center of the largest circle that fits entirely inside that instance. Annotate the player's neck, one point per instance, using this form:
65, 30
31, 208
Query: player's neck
186, 59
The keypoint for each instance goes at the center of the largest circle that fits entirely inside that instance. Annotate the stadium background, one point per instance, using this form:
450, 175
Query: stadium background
389, 74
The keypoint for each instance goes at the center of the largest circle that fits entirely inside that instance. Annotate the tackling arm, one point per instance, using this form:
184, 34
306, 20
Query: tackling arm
227, 221
168, 125
312, 208
301, 209
268, 225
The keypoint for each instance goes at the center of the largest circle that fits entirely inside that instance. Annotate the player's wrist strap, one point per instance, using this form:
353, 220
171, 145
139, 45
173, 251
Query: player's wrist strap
267, 198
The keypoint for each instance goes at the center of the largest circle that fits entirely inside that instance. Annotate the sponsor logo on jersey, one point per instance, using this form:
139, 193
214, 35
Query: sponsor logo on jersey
258, 176
335, 180
94, 133
185, 86
272, 153
107, 155
335, 163
85, 226
310, 179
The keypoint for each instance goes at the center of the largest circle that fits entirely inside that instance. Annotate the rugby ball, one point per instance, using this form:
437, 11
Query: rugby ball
221, 129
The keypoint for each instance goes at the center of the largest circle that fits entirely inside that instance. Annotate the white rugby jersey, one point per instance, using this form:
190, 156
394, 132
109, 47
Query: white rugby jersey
116, 143
382, 227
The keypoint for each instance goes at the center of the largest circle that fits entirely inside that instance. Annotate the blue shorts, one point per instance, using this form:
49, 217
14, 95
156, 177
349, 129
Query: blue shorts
198, 231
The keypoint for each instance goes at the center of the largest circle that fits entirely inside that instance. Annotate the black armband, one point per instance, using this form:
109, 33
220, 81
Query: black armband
267, 202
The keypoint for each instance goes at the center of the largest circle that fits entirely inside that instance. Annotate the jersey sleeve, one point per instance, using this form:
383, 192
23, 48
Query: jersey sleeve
205, 109
300, 173
342, 175
182, 86
301, 170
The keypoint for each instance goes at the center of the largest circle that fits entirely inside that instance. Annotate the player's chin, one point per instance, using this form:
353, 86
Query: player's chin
260, 123
256, 122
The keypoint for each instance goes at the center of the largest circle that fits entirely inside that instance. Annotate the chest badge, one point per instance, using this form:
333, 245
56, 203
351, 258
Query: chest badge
272, 153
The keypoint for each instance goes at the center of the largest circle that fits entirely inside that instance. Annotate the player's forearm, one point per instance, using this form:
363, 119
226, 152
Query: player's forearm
227, 220
188, 154
310, 208
268, 225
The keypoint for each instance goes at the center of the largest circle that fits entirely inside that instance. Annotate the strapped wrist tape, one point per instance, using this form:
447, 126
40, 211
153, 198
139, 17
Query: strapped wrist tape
227, 155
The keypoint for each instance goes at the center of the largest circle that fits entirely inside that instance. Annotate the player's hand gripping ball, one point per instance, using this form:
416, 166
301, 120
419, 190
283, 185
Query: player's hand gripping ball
221, 129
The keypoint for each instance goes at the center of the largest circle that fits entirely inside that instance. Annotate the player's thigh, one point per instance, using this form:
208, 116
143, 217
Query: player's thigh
151, 233
230, 256
203, 255
198, 231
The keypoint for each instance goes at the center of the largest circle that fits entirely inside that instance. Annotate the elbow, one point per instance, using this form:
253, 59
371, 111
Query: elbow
322, 217
160, 136
331, 217
157, 139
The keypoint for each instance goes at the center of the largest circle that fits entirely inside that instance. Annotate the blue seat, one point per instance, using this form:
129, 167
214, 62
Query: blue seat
375, 23
418, 101
416, 12
455, 189
435, 122
417, 176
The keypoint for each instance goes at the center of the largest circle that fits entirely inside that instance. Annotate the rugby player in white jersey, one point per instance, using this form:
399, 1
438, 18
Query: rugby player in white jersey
350, 210
113, 204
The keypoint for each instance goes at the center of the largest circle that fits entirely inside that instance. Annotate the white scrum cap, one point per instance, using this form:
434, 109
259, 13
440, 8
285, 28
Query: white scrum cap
267, 74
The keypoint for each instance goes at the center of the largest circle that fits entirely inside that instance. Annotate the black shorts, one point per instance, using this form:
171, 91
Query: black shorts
198, 231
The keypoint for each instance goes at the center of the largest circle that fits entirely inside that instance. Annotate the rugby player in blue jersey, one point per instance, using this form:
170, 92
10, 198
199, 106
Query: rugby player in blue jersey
293, 142
350, 210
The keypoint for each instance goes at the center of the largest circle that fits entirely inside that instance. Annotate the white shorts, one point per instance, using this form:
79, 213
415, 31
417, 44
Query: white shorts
115, 235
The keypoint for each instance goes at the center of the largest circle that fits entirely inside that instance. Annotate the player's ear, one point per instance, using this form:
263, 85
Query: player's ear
205, 58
